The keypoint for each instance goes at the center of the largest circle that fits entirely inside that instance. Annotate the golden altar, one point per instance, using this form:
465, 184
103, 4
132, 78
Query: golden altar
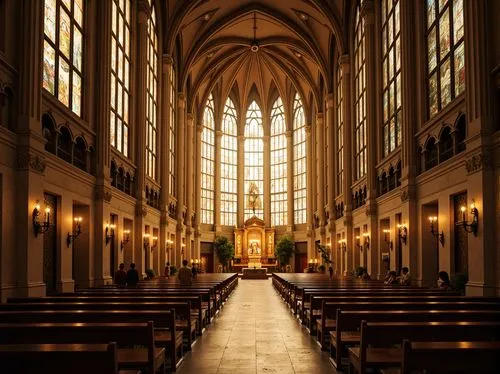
254, 244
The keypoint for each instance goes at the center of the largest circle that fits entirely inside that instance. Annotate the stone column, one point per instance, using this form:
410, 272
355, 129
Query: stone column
368, 13
241, 183
139, 131
267, 179
180, 174
197, 250
217, 176
189, 183
345, 65
331, 173
480, 163
311, 251
289, 187
99, 269
30, 154
320, 168
164, 161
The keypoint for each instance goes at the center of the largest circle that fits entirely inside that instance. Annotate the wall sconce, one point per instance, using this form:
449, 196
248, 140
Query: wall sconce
403, 232
40, 227
146, 242
367, 240
71, 237
343, 244
470, 227
387, 238
439, 236
155, 243
126, 238
182, 250
358, 243
110, 232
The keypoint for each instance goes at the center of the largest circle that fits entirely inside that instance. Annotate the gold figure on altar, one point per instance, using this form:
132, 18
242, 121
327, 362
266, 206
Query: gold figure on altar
254, 248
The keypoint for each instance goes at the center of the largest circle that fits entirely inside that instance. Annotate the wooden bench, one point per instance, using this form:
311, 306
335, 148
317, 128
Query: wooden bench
125, 335
163, 321
348, 324
380, 344
61, 359
460, 357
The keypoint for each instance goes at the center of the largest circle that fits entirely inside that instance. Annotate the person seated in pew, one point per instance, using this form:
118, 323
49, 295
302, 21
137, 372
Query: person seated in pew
166, 272
132, 276
365, 276
443, 281
392, 279
405, 279
120, 277
185, 274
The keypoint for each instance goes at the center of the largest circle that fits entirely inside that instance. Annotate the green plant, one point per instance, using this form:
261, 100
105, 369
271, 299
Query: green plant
224, 250
322, 268
150, 273
325, 256
458, 282
173, 270
284, 250
358, 272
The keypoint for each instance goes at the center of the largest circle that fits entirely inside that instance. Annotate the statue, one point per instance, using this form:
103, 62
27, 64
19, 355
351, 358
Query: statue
254, 249
253, 201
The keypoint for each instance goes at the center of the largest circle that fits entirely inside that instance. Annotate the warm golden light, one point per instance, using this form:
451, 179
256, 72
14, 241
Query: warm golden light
365, 234
78, 219
462, 209
146, 236
47, 210
358, 237
126, 232
37, 206
472, 206
112, 227
386, 231
154, 238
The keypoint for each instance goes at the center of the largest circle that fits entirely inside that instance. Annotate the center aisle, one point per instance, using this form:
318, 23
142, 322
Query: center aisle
255, 333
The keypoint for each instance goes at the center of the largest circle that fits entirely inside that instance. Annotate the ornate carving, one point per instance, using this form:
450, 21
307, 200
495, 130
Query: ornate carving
141, 210
26, 161
371, 210
405, 195
477, 162
103, 193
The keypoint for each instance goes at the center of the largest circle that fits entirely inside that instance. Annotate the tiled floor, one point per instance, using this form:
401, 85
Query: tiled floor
255, 333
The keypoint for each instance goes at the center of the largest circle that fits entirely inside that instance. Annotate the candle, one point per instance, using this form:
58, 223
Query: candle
462, 209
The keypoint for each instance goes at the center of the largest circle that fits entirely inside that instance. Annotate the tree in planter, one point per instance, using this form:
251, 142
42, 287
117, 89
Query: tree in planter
284, 250
224, 250
325, 257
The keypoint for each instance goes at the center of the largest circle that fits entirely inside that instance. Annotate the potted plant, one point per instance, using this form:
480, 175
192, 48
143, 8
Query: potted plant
173, 270
322, 268
284, 250
150, 273
325, 257
224, 250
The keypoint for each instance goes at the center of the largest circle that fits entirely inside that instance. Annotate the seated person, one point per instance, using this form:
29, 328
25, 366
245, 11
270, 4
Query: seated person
365, 275
392, 279
405, 279
443, 281
185, 274
120, 277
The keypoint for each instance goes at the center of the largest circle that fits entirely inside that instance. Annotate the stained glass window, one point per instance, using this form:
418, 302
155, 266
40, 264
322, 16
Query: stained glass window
151, 96
208, 163
279, 170
340, 133
254, 163
391, 65
360, 95
299, 162
171, 133
63, 51
445, 52
120, 80
229, 170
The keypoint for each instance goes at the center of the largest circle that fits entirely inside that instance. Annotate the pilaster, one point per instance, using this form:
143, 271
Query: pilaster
289, 187
320, 168
217, 176
311, 252
267, 180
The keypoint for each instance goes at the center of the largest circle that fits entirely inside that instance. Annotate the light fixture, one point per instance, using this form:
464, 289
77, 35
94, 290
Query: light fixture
358, 242
343, 244
437, 235
470, 227
78, 226
146, 242
387, 238
110, 232
182, 250
367, 240
40, 227
126, 238
155, 243
403, 232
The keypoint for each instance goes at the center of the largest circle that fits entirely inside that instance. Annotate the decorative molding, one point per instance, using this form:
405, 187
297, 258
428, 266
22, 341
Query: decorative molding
103, 193
478, 162
405, 195
141, 210
26, 161
371, 210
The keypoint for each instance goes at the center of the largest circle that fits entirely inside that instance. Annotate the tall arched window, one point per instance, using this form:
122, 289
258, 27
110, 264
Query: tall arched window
359, 96
151, 96
120, 76
299, 162
279, 196
340, 133
391, 75
171, 133
229, 171
445, 52
208, 163
254, 162
63, 51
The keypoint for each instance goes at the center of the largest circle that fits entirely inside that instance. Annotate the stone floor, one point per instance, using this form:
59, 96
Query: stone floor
255, 333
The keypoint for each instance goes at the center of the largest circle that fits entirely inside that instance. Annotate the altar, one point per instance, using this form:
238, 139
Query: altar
257, 273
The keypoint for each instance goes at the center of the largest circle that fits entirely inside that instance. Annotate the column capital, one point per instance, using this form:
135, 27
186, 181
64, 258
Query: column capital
241, 138
190, 119
308, 130
345, 63
144, 11
167, 61
367, 11
319, 117
266, 138
330, 100
199, 128
218, 133
181, 100
289, 133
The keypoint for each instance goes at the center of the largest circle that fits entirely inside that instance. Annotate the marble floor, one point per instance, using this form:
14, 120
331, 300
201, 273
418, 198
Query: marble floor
255, 333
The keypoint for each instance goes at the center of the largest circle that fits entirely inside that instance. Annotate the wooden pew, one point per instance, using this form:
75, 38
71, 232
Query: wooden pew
184, 321
347, 331
60, 358
376, 337
163, 321
150, 358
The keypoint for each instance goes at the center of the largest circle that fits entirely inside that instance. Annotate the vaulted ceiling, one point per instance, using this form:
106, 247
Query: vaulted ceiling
254, 49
